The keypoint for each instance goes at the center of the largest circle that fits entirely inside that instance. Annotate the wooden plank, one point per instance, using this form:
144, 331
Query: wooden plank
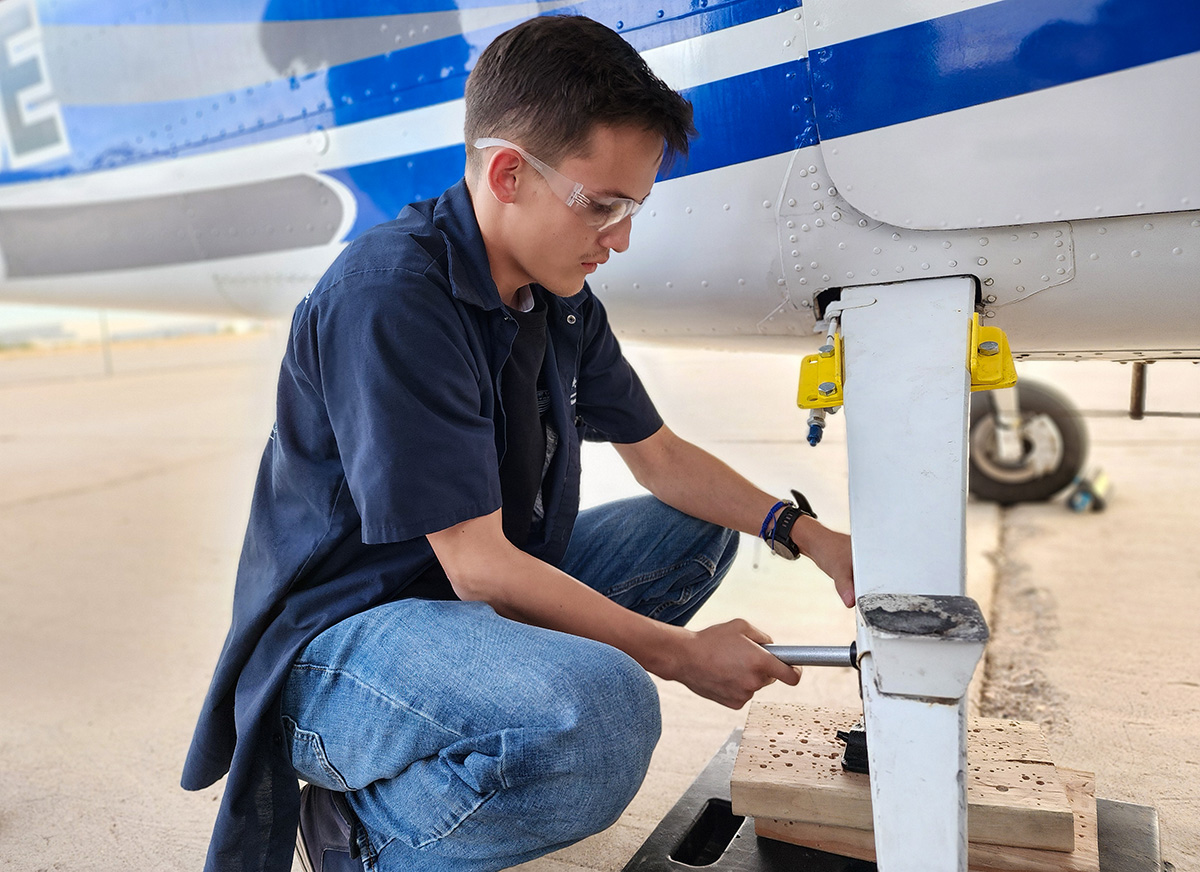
789, 767
860, 844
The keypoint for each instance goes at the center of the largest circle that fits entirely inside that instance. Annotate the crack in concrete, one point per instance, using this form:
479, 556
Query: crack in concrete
1024, 633
117, 481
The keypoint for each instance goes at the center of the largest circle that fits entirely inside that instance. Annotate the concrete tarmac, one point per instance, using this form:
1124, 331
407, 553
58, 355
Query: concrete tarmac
123, 505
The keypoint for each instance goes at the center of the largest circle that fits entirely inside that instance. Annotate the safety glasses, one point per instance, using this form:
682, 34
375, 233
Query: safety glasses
597, 212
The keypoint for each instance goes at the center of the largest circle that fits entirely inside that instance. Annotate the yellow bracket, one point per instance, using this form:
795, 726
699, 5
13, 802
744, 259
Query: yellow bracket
990, 360
821, 377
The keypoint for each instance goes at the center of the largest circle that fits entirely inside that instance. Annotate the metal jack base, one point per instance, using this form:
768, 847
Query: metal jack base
702, 832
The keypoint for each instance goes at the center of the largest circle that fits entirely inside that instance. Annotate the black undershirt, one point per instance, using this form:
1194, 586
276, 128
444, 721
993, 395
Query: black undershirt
524, 432
525, 460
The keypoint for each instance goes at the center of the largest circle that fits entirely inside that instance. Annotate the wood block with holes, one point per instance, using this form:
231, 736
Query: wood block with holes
860, 844
789, 768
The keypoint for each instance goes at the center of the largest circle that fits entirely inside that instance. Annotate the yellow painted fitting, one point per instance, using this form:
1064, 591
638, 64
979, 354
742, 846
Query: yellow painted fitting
821, 378
990, 359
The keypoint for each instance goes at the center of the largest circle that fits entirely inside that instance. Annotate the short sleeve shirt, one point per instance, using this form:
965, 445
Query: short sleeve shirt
388, 427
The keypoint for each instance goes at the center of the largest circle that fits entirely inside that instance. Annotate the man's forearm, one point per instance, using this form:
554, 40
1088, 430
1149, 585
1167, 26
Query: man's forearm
483, 566
688, 478
725, 662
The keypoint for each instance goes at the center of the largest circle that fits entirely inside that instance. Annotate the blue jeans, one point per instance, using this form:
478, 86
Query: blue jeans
466, 741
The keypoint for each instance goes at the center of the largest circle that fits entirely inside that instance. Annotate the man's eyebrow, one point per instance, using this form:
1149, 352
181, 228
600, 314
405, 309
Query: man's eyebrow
611, 192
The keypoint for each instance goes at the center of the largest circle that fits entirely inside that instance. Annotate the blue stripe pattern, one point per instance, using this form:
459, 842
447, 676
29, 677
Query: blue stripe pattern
748, 117
105, 137
630, 14
990, 53
740, 119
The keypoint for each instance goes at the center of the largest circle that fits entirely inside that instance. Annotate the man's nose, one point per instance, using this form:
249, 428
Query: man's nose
617, 236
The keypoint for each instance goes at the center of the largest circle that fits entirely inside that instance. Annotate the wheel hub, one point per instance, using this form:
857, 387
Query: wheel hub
1041, 450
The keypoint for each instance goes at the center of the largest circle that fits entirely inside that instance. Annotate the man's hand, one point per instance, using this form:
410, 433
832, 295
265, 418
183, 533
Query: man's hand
727, 663
830, 551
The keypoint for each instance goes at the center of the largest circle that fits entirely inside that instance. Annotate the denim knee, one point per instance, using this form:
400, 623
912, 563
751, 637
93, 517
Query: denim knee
611, 724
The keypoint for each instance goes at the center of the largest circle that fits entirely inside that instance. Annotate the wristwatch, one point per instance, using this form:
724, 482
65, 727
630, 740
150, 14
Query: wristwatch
781, 535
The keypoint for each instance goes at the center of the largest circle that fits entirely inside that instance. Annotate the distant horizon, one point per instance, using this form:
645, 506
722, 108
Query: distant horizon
21, 323
33, 315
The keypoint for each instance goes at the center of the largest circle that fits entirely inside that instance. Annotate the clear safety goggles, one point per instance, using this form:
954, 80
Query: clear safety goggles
597, 212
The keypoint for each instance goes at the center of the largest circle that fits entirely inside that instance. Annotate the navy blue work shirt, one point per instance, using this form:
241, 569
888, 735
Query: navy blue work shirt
389, 426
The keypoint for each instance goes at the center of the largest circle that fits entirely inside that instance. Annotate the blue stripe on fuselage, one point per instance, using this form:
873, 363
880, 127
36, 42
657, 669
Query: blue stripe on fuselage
629, 14
111, 136
740, 119
982, 54
990, 53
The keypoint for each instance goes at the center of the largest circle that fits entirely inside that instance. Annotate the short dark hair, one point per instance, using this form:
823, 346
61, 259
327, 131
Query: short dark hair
548, 82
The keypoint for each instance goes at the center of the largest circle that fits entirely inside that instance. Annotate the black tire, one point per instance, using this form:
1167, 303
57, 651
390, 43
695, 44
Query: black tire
1046, 416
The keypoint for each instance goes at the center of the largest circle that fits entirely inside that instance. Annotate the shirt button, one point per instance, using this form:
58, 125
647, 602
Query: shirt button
570, 319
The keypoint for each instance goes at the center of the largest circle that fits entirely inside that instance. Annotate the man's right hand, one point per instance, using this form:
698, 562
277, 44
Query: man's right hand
727, 663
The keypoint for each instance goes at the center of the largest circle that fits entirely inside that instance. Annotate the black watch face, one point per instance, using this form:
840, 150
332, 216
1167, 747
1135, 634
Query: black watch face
782, 549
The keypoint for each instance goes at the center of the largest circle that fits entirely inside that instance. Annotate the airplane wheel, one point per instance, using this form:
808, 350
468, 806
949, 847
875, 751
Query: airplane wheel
1054, 447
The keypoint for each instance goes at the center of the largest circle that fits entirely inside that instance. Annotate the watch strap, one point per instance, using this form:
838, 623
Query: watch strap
782, 542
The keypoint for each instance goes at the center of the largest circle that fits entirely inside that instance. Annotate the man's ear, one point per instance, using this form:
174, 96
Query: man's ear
500, 175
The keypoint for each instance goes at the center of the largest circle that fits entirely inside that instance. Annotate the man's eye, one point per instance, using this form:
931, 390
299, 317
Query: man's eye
600, 210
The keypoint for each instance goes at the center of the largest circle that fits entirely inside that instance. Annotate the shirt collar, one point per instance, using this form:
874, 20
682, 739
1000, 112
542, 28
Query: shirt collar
470, 275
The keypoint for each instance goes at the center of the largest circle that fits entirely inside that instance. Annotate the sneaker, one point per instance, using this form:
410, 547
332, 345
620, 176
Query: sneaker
326, 840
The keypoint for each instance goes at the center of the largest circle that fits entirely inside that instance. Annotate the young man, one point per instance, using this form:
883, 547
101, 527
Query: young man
425, 629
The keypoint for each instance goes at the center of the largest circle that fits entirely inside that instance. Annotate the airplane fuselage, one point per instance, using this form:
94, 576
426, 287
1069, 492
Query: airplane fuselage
215, 157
